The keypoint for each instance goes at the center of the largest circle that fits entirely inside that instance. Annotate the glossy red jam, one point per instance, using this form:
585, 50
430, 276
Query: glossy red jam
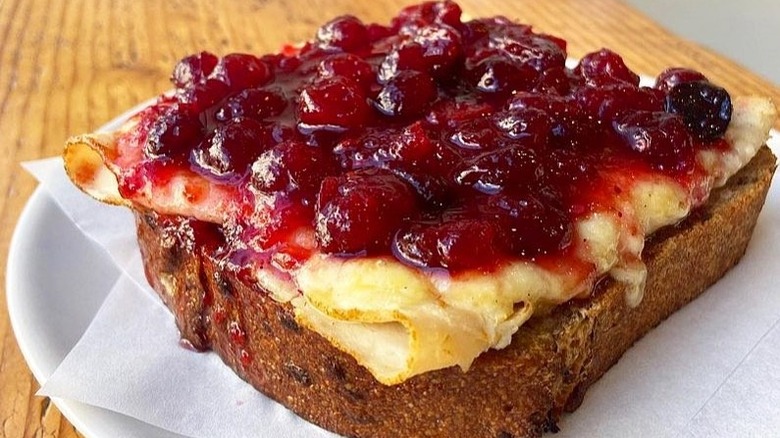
447, 144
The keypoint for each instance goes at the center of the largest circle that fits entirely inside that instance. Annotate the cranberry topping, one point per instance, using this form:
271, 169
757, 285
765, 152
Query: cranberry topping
353, 211
173, 133
406, 95
240, 70
604, 67
677, 75
448, 144
194, 69
230, 149
336, 103
292, 166
345, 33
255, 103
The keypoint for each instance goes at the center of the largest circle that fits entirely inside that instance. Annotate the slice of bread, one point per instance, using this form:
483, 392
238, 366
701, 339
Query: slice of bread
515, 392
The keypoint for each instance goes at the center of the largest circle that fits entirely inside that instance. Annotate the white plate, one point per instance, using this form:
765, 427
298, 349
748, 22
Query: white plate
53, 296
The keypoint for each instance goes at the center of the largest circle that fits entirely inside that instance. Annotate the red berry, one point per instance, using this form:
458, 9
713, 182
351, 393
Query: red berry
359, 212
240, 70
659, 136
255, 103
605, 66
454, 242
673, 76
193, 69
345, 33
174, 134
230, 149
333, 103
407, 95
292, 166
348, 66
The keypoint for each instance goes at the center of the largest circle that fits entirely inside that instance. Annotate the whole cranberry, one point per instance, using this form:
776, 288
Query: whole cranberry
292, 166
455, 242
661, 137
441, 48
533, 50
530, 124
358, 212
408, 94
531, 223
475, 134
348, 66
677, 75
336, 103
500, 75
175, 132
202, 96
193, 69
346, 33
610, 102
230, 149
444, 12
605, 66
240, 70
495, 171
705, 108
255, 103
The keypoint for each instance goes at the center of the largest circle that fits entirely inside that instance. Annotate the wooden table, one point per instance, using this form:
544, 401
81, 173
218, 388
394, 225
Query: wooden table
66, 67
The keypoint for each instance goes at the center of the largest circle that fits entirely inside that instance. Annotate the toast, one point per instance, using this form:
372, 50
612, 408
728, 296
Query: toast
519, 391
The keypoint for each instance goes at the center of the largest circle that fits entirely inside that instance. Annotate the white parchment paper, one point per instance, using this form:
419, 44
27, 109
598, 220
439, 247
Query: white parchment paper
712, 369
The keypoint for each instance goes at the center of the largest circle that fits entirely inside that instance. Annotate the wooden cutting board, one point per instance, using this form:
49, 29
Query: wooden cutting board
66, 67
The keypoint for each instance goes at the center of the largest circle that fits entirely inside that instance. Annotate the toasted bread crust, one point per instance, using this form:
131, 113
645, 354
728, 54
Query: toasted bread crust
515, 392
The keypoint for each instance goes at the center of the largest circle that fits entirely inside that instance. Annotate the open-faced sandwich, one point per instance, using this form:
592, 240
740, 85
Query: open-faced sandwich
434, 227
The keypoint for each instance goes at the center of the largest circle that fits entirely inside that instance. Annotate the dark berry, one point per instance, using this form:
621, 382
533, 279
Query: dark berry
705, 108
193, 69
605, 66
174, 134
359, 212
333, 103
240, 70
255, 103
673, 76
407, 95
345, 33
230, 149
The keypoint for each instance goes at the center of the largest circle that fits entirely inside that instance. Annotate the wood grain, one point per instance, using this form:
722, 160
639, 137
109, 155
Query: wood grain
66, 67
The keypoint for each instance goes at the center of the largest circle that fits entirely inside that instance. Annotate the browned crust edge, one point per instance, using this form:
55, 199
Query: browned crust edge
515, 392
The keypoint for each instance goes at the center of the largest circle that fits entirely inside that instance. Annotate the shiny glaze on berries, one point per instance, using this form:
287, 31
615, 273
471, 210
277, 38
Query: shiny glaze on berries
447, 144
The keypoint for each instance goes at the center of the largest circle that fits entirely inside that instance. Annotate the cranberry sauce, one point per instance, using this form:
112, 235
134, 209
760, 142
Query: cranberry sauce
448, 144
